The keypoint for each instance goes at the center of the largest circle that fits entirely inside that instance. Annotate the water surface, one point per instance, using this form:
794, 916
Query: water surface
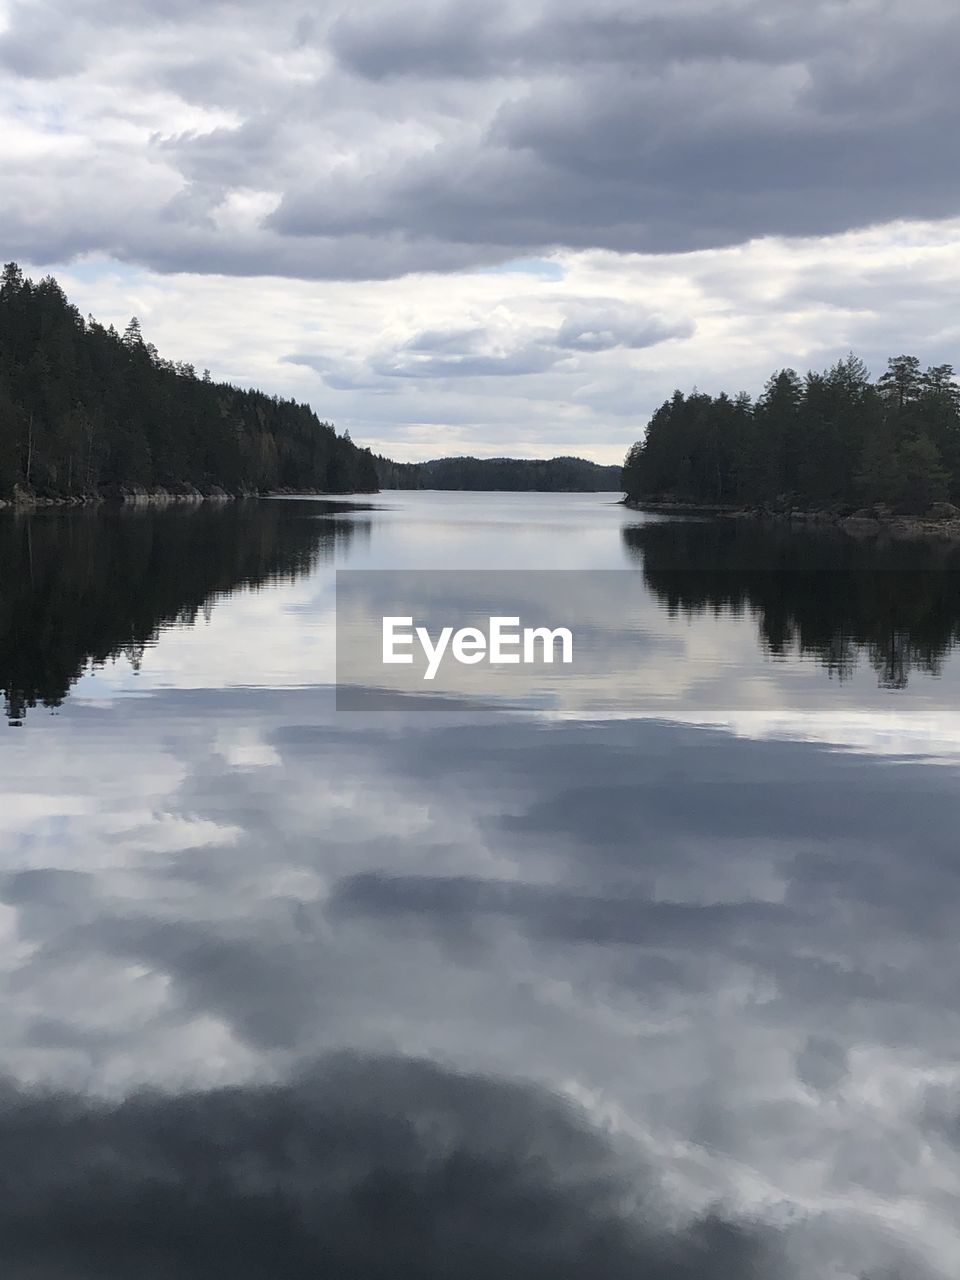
719, 919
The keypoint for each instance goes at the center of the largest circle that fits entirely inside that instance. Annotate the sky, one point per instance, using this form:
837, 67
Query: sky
486, 227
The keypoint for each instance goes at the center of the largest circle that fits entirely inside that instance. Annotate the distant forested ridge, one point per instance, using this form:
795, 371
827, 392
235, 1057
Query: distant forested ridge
829, 440
553, 475
88, 412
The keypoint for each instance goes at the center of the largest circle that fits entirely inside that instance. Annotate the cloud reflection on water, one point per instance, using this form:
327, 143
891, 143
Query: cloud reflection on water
735, 954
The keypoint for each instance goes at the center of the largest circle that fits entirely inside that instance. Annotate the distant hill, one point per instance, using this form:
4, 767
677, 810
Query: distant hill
548, 475
86, 412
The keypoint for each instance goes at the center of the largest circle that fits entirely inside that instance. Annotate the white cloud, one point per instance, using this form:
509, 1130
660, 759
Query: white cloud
295, 200
539, 361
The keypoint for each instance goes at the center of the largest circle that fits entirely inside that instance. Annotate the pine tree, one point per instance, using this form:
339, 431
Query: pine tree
834, 439
84, 411
132, 335
902, 381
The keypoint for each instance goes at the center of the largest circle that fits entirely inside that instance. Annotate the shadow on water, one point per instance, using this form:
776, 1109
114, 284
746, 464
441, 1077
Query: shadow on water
818, 593
81, 586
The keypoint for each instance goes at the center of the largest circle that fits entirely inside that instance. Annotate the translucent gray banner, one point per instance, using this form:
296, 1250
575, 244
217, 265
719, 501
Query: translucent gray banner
445, 639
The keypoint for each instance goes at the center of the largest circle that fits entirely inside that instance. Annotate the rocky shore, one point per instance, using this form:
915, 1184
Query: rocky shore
941, 521
24, 499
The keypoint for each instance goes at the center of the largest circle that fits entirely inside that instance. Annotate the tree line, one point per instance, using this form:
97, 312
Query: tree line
553, 475
830, 440
88, 412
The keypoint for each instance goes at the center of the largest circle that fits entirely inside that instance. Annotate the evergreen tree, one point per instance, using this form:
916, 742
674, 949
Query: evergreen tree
833, 439
902, 381
132, 335
86, 412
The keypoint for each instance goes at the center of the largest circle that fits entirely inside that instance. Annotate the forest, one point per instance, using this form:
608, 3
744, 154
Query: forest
553, 475
87, 412
828, 441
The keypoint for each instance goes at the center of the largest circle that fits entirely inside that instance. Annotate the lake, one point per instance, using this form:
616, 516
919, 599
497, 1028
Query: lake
663, 968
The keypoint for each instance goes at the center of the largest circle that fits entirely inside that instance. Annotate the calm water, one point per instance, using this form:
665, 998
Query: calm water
713, 911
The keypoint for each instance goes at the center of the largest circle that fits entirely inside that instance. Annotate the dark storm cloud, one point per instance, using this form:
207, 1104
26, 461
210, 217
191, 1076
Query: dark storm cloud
438, 137
32, 55
369, 1168
822, 1063
668, 132
225, 157
446, 41
462, 39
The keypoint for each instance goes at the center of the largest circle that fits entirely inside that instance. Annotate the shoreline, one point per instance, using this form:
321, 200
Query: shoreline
136, 496
868, 522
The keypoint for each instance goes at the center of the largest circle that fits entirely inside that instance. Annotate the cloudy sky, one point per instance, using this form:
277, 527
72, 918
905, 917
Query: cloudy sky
488, 227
